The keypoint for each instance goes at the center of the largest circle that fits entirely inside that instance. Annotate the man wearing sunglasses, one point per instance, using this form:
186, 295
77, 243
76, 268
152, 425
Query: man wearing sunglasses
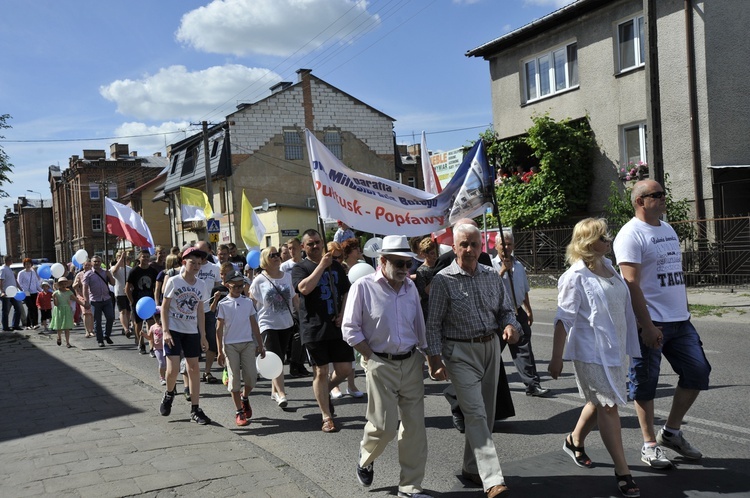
650, 259
469, 314
322, 285
383, 321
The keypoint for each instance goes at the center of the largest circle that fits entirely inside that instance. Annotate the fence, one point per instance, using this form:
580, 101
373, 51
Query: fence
717, 252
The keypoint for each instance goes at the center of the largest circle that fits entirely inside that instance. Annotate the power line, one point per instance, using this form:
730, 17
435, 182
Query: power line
52, 140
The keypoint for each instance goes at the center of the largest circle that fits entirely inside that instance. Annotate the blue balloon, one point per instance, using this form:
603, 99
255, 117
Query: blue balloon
20, 296
145, 307
76, 263
253, 259
44, 271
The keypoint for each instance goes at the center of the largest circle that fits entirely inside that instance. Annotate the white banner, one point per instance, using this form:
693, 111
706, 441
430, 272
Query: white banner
377, 205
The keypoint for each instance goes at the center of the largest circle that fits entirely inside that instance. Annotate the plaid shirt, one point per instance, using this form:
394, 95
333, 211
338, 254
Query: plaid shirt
464, 306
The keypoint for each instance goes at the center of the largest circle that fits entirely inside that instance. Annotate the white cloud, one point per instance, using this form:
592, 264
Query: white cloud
544, 3
272, 27
176, 93
148, 139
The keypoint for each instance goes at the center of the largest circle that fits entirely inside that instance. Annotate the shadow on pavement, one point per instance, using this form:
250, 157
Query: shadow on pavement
43, 393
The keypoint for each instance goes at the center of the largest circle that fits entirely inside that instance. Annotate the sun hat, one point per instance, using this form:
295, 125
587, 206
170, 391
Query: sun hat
396, 245
62, 280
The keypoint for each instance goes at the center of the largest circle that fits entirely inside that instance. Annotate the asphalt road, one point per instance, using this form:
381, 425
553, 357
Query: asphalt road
529, 444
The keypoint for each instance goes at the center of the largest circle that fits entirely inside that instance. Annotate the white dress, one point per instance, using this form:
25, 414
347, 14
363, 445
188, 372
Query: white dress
606, 385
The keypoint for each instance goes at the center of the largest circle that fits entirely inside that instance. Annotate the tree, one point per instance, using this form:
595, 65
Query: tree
6, 167
544, 176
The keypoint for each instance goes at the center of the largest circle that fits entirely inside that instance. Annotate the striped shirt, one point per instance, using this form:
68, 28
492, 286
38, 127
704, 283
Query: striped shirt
464, 306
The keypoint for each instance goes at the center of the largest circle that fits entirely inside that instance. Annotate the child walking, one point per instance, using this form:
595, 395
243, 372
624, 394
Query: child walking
62, 314
155, 336
238, 344
44, 303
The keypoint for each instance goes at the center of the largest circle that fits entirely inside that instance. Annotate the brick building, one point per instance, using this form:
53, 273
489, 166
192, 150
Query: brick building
28, 229
78, 194
261, 148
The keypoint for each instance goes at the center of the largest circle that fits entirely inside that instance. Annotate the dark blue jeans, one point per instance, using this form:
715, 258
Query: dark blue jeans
108, 308
9, 302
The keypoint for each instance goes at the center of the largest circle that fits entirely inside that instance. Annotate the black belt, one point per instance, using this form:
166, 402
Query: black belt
397, 357
484, 338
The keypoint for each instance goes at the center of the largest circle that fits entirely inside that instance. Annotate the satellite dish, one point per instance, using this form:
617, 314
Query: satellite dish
264, 205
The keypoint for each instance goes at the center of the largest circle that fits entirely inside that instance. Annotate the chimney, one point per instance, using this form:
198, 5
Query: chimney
133, 153
94, 154
157, 154
118, 150
302, 73
281, 85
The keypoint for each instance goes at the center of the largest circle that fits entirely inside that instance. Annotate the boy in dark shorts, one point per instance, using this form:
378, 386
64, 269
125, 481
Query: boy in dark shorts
184, 331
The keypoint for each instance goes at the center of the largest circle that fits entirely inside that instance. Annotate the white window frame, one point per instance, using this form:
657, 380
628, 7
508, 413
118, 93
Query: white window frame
96, 220
535, 63
94, 193
412, 182
642, 136
639, 52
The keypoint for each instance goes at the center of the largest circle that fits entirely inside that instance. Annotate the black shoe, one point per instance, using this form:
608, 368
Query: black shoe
166, 403
365, 475
458, 420
101, 344
142, 350
17, 328
200, 417
538, 391
109, 340
7, 330
187, 393
152, 353
298, 370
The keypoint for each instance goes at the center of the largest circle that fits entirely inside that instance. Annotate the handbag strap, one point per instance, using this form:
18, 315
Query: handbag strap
280, 294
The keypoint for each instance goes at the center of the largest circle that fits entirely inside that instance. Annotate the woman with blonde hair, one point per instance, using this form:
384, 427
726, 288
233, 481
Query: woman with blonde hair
274, 297
595, 327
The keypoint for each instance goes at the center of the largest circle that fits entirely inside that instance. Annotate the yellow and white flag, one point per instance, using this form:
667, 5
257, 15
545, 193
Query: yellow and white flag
251, 228
194, 205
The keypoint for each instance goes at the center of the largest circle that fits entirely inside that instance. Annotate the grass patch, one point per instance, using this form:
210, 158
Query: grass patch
700, 310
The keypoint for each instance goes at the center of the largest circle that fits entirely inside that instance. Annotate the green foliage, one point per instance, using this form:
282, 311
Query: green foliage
5, 166
560, 153
619, 209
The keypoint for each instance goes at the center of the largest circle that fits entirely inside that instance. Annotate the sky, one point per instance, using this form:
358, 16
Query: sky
83, 74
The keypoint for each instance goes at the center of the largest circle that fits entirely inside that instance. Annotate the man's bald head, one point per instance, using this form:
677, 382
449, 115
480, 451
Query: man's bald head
465, 221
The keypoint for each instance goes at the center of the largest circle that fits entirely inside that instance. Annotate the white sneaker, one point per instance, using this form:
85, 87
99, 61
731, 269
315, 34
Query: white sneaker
654, 457
280, 400
679, 444
337, 395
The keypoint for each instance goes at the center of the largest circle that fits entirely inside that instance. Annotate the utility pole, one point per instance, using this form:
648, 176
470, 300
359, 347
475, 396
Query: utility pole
207, 162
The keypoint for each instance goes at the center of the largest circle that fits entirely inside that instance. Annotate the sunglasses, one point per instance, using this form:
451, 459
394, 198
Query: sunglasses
336, 257
399, 263
605, 238
274, 255
655, 195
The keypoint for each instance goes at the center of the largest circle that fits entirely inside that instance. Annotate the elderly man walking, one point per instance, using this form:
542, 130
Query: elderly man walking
469, 313
384, 322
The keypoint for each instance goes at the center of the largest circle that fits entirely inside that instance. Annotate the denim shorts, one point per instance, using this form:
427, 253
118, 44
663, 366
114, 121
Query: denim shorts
683, 348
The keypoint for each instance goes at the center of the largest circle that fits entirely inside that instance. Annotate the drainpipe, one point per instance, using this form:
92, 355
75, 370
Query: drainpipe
700, 206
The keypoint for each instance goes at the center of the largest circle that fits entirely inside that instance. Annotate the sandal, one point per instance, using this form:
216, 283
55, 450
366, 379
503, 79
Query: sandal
583, 460
328, 425
209, 379
627, 486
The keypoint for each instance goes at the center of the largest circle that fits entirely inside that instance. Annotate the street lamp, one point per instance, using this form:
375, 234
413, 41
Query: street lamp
41, 221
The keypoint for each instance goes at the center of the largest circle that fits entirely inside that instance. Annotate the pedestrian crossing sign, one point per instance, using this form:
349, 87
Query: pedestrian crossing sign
212, 225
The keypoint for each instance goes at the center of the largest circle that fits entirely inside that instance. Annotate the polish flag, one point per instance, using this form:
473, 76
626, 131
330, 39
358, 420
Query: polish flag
126, 223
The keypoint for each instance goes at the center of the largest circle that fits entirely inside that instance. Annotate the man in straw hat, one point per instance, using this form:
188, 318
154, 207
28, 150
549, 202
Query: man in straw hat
383, 321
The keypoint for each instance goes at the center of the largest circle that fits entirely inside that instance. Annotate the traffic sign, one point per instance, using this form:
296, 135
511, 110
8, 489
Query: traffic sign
213, 237
213, 226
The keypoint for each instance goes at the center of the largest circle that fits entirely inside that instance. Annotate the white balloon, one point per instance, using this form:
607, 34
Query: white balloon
81, 256
372, 247
11, 291
57, 270
358, 271
269, 367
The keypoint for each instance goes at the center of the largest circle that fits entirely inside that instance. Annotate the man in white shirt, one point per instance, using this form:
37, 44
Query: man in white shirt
650, 259
383, 321
7, 279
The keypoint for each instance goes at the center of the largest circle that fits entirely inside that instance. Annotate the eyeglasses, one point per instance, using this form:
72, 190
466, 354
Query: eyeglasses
655, 195
399, 263
274, 255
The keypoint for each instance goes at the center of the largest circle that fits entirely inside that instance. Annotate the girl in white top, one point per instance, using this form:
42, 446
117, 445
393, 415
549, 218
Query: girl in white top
30, 283
275, 300
595, 320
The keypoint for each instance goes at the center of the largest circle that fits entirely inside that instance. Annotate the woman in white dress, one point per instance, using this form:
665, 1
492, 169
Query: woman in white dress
596, 328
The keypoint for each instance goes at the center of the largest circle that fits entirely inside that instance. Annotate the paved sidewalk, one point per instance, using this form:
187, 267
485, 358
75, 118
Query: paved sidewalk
75, 425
